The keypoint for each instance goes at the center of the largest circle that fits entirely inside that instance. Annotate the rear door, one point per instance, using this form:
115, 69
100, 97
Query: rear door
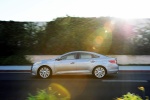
85, 62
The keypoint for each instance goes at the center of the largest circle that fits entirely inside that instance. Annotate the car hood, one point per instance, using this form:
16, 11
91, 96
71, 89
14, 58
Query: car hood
47, 60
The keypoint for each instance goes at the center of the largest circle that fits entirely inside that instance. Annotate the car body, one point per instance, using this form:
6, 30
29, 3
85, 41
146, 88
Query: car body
76, 62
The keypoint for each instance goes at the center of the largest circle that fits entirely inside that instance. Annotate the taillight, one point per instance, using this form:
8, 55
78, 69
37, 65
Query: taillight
112, 61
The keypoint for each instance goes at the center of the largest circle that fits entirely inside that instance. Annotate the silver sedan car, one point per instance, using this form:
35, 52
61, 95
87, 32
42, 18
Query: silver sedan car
76, 63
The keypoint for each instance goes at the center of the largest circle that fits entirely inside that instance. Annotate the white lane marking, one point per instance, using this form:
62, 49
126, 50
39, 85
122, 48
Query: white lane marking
124, 81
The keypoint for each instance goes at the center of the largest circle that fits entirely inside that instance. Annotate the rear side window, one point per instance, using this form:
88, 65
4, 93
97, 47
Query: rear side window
85, 56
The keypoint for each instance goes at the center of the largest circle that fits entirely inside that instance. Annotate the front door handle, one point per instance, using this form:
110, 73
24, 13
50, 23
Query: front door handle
92, 61
72, 63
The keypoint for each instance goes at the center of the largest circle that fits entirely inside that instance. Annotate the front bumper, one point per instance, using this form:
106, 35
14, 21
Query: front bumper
34, 70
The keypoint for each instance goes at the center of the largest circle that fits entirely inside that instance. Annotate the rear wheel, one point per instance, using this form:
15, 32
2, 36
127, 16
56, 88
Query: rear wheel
99, 72
44, 72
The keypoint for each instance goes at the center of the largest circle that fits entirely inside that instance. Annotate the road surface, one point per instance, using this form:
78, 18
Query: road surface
17, 86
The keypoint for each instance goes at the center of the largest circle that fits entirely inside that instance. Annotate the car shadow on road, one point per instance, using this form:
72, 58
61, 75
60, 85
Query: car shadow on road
107, 77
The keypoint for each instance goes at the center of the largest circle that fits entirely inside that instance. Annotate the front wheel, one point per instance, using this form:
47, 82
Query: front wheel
44, 72
99, 72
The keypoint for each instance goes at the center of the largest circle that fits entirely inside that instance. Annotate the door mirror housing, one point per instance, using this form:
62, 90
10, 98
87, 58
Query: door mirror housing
58, 59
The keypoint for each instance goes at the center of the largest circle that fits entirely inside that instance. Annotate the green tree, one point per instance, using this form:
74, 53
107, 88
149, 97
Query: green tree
34, 37
75, 33
141, 39
122, 31
11, 35
11, 40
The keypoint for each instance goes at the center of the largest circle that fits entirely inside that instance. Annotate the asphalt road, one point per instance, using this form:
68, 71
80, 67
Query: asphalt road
17, 86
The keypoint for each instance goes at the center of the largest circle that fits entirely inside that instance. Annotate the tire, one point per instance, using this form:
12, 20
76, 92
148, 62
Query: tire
44, 72
99, 72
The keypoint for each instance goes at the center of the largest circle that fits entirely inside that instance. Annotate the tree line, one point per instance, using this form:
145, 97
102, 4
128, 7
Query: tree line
105, 35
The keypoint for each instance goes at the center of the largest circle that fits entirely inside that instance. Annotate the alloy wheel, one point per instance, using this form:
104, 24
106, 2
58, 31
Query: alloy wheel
99, 72
44, 72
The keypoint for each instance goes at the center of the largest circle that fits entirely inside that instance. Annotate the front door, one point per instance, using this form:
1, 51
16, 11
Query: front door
67, 64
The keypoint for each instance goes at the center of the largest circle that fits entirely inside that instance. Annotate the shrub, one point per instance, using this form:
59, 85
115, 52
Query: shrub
53, 92
129, 96
14, 60
42, 95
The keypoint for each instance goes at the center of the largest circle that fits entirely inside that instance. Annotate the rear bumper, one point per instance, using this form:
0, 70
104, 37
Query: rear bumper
113, 69
113, 72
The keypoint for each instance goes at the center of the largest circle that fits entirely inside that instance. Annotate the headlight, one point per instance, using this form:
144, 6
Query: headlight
36, 63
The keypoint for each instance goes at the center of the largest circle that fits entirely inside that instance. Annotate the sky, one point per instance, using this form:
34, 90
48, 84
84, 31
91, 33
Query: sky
47, 10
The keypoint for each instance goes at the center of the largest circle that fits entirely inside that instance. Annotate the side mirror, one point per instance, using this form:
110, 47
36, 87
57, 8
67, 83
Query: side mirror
58, 59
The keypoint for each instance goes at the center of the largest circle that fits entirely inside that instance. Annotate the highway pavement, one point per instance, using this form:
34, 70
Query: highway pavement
17, 86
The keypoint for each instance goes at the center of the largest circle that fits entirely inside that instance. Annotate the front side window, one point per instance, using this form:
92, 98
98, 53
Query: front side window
69, 57
95, 56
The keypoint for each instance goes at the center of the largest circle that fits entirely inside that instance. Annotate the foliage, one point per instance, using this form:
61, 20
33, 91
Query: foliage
53, 92
129, 96
141, 40
103, 35
14, 60
11, 37
42, 95
73, 33
16, 40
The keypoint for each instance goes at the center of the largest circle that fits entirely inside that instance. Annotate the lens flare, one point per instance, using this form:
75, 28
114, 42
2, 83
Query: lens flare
99, 40
108, 26
103, 38
93, 48
60, 90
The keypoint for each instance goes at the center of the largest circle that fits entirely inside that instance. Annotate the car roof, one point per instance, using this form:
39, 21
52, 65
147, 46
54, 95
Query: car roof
83, 52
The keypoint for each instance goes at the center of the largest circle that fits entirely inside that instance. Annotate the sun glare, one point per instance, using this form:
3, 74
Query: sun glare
130, 9
51, 9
